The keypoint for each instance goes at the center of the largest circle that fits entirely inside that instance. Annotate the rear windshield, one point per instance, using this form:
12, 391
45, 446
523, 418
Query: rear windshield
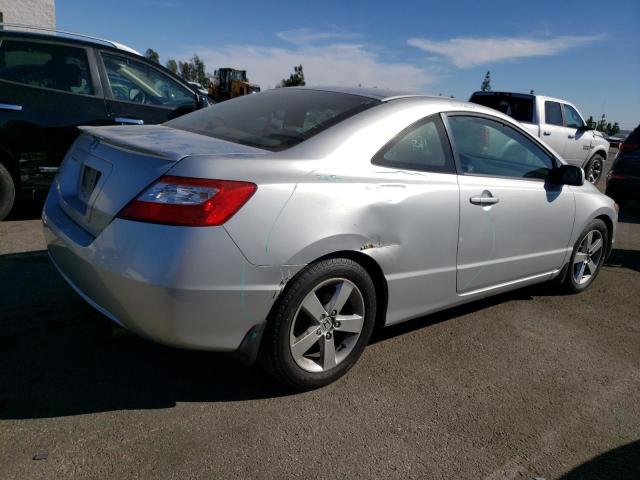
273, 120
519, 108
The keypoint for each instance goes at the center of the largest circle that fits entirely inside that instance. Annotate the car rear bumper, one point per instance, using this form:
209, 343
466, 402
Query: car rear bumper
181, 286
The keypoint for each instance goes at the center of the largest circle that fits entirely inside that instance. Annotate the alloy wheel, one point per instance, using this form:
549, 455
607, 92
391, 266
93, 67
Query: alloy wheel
327, 325
594, 171
587, 258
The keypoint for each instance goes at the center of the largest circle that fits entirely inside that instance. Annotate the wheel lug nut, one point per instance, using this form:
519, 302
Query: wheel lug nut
319, 332
334, 313
336, 324
328, 335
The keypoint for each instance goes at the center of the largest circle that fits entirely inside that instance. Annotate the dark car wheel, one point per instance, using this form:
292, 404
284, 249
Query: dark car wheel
594, 169
587, 258
321, 325
7, 192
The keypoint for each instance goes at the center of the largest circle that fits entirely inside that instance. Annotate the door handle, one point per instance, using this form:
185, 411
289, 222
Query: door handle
10, 106
129, 121
484, 200
546, 133
571, 136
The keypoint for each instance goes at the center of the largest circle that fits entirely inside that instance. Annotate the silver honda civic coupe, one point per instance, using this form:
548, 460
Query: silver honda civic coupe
286, 225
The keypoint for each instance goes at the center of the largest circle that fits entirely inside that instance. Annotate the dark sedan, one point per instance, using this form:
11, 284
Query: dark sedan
623, 180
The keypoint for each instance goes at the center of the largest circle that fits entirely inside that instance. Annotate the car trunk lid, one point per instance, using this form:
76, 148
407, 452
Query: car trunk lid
109, 166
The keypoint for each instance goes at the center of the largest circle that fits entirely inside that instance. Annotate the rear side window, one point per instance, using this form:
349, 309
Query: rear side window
489, 147
517, 107
552, 113
45, 65
274, 120
419, 147
573, 117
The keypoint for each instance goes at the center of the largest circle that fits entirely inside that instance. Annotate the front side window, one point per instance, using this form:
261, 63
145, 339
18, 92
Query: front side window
519, 107
46, 65
133, 81
419, 147
489, 147
573, 117
273, 120
552, 113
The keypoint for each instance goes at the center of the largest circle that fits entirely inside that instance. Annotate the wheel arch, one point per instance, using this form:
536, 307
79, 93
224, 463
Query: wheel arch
608, 221
600, 151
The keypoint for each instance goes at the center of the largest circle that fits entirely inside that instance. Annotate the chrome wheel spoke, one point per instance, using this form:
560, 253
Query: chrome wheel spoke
580, 273
303, 343
592, 266
340, 297
580, 257
349, 323
311, 304
328, 352
595, 246
589, 240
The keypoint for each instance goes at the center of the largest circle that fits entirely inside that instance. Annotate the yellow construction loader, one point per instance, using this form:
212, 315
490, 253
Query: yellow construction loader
230, 83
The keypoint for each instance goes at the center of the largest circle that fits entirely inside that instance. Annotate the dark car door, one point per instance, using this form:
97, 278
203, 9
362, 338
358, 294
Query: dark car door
138, 93
47, 89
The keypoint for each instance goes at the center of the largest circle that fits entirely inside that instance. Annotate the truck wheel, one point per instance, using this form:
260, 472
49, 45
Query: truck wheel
593, 170
7, 192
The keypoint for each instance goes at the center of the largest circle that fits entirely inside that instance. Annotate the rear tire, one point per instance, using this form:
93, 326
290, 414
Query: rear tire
593, 171
320, 325
7, 192
588, 255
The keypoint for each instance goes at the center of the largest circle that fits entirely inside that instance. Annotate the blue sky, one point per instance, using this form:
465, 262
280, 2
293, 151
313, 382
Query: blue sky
584, 51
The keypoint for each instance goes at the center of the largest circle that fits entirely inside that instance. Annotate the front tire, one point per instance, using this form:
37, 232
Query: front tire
321, 324
594, 169
7, 192
587, 258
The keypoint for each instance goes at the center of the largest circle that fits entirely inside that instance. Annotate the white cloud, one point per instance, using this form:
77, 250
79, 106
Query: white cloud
466, 52
301, 36
335, 64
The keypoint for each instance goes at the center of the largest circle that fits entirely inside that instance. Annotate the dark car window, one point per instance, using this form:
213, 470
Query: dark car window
488, 147
573, 117
552, 113
46, 65
133, 81
520, 108
419, 147
274, 120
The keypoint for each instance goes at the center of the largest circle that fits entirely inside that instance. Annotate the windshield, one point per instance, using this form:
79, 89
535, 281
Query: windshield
518, 108
273, 120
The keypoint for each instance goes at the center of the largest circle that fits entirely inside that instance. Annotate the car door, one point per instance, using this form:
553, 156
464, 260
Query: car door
47, 89
552, 130
578, 142
139, 93
515, 224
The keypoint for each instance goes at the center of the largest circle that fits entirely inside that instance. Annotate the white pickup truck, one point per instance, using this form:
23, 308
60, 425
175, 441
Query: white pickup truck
558, 123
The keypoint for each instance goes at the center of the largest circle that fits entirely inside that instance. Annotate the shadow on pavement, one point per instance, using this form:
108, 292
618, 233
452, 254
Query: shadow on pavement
622, 463
27, 208
624, 259
60, 357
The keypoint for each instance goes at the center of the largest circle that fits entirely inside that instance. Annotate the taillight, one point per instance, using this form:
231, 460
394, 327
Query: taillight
195, 202
628, 147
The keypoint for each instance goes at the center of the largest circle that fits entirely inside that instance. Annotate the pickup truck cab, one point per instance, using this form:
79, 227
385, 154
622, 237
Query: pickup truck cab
558, 123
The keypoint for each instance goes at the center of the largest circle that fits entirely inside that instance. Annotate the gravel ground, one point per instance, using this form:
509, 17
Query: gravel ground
524, 385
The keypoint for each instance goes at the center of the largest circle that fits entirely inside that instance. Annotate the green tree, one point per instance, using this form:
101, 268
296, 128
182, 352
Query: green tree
486, 83
295, 79
152, 55
194, 70
172, 65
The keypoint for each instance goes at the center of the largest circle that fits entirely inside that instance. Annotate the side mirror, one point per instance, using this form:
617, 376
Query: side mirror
569, 175
204, 101
589, 126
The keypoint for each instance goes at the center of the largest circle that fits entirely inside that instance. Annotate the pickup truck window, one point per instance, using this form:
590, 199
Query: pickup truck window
517, 107
552, 113
488, 147
573, 118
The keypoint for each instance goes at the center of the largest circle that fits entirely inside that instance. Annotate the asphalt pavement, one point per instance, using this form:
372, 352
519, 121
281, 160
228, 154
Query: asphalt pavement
525, 385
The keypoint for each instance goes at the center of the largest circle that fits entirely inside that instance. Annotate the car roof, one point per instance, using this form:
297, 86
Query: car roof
42, 33
381, 94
